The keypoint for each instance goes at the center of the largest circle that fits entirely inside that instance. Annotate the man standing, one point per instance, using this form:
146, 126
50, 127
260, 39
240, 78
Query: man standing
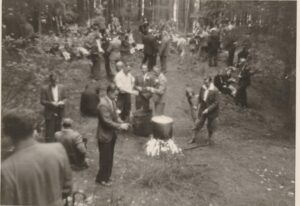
213, 46
36, 173
108, 124
105, 44
74, 144
150, 50
164, 51
53, 98
114, 49
244, 81
231, 46
125, 83
208, 110
141, 83
159, 91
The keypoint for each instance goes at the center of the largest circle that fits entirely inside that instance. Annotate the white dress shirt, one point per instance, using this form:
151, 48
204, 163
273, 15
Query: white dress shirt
124, 82
210, 88
55, 93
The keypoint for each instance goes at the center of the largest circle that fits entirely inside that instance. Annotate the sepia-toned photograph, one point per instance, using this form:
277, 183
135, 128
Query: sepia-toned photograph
148, 102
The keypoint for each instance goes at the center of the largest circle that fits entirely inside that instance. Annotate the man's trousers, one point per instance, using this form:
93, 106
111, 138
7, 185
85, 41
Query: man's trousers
106, 157
124, 104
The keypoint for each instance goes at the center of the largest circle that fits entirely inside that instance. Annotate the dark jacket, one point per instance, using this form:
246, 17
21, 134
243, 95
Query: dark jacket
74, 145
150, 44
108, 120
211, 103
140, 81
89, 102
164, 47
47, 98
213, 44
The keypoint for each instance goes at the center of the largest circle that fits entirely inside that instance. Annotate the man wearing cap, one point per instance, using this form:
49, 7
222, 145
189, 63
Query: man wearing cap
74, 144
53, 98
125, 83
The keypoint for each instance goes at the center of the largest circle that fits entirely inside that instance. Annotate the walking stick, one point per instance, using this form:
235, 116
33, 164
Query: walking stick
189, 93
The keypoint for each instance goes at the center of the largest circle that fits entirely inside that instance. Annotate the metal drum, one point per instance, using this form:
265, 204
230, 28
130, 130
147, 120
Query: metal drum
162, 127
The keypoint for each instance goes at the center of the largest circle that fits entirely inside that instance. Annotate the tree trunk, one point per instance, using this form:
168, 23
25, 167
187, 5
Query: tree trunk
80, 10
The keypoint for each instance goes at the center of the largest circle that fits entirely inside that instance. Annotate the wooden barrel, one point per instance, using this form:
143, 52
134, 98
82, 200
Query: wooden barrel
142, 123
162, 127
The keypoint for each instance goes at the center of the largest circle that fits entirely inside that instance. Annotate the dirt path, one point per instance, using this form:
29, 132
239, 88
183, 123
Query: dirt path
249, 165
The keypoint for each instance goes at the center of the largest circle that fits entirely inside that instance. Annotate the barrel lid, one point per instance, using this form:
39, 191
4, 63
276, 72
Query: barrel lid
162, 119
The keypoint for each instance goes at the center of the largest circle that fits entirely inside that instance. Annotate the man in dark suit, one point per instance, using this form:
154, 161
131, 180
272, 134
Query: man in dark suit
150, 50
141, 83
53, 98
208, 110
36, 173
213, 46
108, 124
74, 144
89, 101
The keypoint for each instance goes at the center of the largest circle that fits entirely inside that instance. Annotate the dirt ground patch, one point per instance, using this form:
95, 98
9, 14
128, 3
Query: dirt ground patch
250, 164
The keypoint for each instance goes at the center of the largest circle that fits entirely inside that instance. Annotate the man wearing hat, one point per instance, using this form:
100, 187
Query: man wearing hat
74, 144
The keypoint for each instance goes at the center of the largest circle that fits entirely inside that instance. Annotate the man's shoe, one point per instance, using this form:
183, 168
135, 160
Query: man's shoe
104, 183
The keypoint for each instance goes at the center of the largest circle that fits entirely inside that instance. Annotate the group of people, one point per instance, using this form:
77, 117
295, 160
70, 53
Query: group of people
67, 148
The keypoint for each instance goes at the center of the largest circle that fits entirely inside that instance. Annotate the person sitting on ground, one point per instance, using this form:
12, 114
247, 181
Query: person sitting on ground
74, 144
224, 82
89, 101
36, 173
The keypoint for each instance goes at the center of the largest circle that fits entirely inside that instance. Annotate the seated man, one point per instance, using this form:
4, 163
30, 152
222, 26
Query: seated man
74, 144
89, 101
223, 82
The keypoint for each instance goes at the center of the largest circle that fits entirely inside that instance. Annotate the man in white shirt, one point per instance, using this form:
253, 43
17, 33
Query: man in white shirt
53, 98
125, 83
